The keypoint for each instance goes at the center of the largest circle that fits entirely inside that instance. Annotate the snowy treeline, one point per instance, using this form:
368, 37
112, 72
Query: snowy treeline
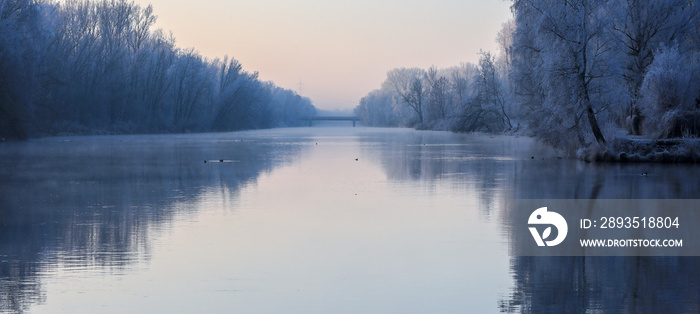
573, 73
88, 66
466, 98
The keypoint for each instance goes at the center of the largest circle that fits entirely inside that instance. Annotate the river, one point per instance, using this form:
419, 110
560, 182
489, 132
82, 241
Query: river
313, 220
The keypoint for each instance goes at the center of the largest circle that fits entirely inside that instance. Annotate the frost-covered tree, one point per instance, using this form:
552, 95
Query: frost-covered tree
376, 109
643, 26
670, 94
504, 39
486, 110
461, 83
463, 98
528, 86
565, 69
19, 55
191, 90
438, 95
80, 66
415, 97
408, 85
490, 88
288, 107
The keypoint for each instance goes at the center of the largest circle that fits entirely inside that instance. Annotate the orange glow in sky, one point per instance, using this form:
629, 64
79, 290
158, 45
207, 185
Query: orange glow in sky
338, 50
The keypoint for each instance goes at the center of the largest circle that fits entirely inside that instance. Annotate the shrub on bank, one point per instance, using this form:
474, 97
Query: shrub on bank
645, 150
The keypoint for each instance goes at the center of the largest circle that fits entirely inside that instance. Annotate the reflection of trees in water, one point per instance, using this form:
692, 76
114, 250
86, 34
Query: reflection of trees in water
500, 169
621, 284
572, 179
468, 162
96, 202
616, 284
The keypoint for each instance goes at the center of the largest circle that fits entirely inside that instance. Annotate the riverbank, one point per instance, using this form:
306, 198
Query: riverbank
623, 149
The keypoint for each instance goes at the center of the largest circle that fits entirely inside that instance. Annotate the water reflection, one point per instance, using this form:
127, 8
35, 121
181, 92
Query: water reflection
347, 219
510, 168
610, 284
94, 202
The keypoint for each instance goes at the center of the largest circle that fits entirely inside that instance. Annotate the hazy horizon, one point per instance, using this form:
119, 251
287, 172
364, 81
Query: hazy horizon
336, 51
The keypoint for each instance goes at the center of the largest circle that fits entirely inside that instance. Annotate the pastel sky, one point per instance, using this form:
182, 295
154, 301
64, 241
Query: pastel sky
338, 50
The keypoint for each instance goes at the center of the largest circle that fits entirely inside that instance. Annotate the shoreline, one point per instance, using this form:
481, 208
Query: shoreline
627, 150
621, 149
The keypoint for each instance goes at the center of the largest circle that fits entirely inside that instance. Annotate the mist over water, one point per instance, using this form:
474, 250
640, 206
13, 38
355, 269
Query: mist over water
313, 220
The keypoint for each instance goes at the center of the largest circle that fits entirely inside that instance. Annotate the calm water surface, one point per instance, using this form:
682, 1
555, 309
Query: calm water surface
313, 220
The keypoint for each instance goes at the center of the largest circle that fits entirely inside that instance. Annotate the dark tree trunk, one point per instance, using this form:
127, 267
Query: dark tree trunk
594, 126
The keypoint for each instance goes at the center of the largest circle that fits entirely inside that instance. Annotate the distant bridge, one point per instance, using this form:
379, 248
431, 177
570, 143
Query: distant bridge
354, 119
